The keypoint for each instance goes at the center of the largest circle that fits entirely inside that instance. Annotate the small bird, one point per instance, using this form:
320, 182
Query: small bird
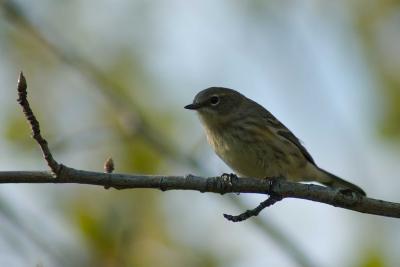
250, 140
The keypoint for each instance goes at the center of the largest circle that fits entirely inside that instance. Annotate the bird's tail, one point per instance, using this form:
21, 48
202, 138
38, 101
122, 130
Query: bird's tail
332, 180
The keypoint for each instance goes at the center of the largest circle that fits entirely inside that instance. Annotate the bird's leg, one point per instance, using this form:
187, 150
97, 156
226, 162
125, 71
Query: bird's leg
355, 196
226, 182
272, 182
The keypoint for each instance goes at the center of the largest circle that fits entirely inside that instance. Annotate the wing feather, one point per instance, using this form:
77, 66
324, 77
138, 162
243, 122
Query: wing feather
283, 131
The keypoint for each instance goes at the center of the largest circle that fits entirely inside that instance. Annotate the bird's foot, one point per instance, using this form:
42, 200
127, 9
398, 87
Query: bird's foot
226, 182
350, 193
354, 195
272, 181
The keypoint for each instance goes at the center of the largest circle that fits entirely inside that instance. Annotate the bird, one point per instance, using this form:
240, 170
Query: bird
253, 143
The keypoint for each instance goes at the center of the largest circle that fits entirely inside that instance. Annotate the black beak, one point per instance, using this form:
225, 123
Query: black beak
193, 106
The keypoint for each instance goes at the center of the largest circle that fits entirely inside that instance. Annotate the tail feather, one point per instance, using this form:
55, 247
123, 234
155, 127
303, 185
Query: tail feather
337, 182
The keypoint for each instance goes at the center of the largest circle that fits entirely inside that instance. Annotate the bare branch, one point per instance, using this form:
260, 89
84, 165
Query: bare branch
281, 188
277, 188
254, 212
30, 117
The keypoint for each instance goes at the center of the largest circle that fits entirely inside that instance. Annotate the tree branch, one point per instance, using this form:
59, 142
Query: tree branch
278, 189
30, 117
282, 188
273, 198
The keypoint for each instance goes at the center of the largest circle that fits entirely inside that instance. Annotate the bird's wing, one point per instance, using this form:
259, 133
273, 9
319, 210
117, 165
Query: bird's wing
283, 131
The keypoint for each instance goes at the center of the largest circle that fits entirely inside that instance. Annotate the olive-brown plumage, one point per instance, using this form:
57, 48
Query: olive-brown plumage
249, 139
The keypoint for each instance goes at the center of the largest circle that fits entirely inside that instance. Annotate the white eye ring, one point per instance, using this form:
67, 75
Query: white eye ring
214, 100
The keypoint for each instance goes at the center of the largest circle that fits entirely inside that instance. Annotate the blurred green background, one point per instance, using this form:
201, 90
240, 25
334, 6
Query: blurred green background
110, 78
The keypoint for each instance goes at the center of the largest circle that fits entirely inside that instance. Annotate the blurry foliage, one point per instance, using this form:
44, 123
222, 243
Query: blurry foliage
125, 229
390, 122
127, 71
139, 157
16, 130
373, 259
378, 23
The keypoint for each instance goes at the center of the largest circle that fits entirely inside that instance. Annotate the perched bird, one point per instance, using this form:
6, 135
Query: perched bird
249, 139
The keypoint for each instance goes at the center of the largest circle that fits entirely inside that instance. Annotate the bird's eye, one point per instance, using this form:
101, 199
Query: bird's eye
214, 100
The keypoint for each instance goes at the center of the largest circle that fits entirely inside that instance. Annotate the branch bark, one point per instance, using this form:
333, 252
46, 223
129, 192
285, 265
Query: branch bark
217, 184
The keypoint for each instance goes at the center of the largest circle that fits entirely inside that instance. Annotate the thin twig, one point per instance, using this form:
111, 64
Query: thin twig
254, 212
30, 117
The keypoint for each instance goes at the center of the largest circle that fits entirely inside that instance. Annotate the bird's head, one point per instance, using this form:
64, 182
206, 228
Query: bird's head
217, 104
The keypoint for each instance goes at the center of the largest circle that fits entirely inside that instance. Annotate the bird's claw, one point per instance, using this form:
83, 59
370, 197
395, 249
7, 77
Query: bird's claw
226, 182
272, 181
351, 193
